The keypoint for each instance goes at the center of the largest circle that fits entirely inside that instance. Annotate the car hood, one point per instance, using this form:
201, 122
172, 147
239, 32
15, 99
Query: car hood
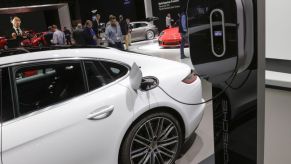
171, 34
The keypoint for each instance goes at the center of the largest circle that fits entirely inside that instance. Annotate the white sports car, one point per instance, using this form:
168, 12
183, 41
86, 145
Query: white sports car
96, 106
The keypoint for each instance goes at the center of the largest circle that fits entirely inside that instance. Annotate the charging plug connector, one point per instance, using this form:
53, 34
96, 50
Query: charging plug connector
149, 83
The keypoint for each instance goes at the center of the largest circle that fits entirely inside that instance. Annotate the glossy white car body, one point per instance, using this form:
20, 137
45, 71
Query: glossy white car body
62, 134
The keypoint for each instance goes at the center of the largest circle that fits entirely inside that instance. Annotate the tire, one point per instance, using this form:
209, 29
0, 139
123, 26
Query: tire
150, 35
163, 145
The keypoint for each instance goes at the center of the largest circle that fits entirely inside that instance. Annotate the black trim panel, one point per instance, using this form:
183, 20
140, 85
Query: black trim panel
278, 88
278, 65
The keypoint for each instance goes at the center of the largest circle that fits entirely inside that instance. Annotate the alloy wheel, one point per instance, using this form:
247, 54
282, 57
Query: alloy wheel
155, 142
150, 35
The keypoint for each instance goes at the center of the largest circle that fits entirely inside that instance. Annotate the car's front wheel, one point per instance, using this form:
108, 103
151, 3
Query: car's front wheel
150, 35
156, 138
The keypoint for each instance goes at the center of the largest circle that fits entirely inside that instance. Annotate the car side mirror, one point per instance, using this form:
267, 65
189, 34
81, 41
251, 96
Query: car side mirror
135, 77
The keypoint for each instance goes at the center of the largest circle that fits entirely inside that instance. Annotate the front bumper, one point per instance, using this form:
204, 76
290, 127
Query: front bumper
172, 43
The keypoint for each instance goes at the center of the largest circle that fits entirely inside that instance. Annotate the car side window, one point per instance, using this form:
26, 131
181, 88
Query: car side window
39, 86
101, 73
143, 25
115, 70
6, 101
136, 25
96, 75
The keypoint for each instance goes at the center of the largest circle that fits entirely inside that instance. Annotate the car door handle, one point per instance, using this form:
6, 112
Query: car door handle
101, 113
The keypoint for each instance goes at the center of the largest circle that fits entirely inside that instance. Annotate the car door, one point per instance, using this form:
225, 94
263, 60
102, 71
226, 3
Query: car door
138, 32
60, 118
134, 31
6, 104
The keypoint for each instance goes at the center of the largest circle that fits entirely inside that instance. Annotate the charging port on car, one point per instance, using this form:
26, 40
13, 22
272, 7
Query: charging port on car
149, 83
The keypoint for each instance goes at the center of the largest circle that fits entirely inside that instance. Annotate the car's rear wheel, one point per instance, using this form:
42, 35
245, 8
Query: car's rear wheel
150, 35
156, 138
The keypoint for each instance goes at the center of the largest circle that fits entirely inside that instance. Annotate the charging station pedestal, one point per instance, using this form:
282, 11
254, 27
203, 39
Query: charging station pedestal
223, 50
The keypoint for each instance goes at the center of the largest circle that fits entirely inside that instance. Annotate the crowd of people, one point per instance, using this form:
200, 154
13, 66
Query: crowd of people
16, 35
117, 33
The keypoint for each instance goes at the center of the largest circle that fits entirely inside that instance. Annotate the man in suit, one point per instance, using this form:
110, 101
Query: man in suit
96, 24
89, 34
16, 23
97, 28
15, 35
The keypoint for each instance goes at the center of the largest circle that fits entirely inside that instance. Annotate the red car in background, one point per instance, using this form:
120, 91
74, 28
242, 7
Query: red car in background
35, 39
170, 38
32, 39
3, 42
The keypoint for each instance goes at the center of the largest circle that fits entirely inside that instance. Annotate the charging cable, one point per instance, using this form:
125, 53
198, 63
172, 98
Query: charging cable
155, 83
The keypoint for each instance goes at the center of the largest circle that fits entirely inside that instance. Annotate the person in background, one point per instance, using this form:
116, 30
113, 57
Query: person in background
129, 31
177, 23
96, 25
183, 32
58, 36
108, 23
68, 33
168, 21
124, 30
49, 35
97, 28
113, 34
16, 28
15, 35
78, 35
89, 34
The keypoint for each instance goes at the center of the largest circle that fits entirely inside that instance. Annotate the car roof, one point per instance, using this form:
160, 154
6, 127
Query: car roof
149, 65
104, 53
